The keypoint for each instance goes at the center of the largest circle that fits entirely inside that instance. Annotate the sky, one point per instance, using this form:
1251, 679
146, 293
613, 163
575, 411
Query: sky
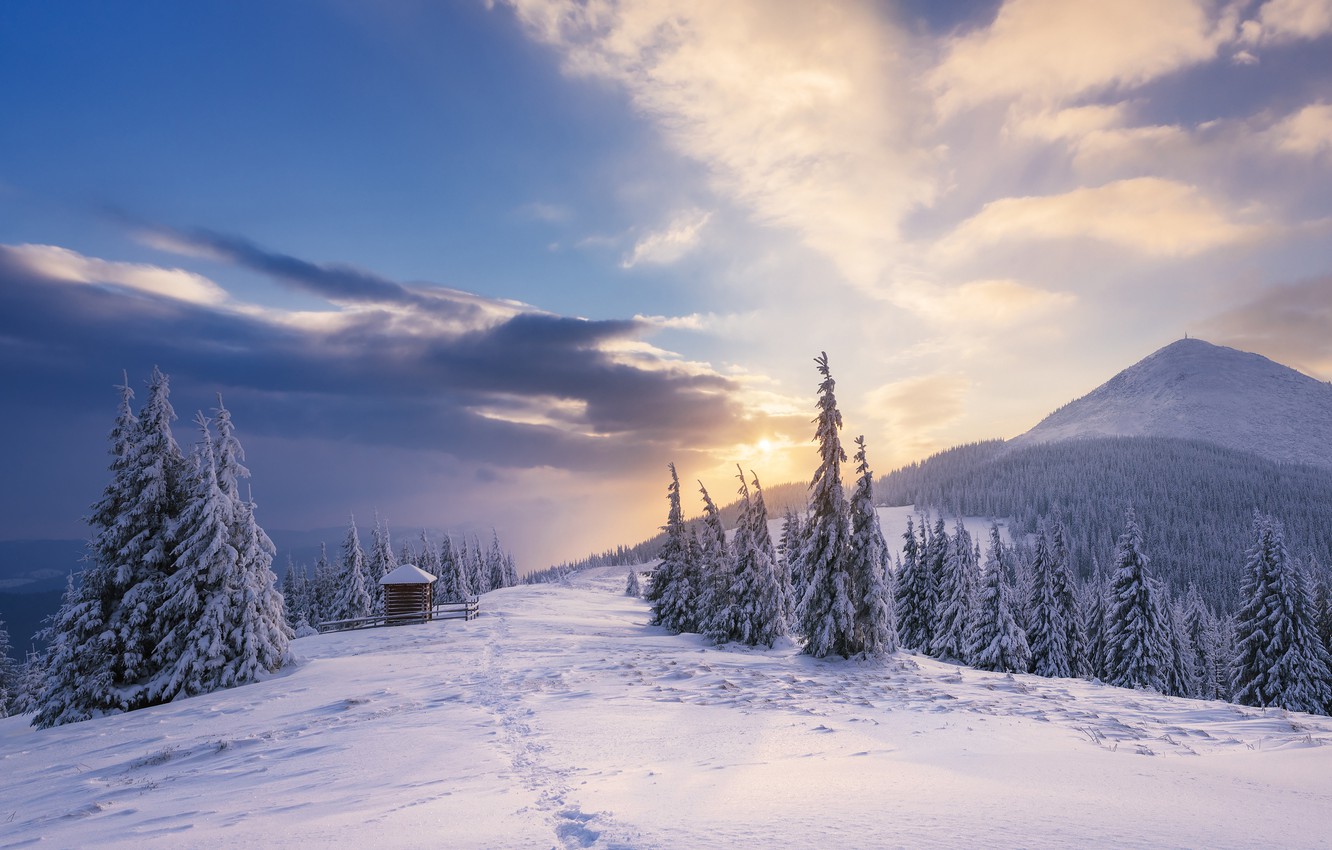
474, 265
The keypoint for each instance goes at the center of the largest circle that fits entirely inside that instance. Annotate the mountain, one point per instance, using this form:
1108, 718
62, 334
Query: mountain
1194, 390
560, 719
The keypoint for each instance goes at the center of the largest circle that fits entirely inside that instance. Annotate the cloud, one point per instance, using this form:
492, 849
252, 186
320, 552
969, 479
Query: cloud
340, 283
915, 410
1097, 134
1149, 215
1051, 51
670, 244
815, 135
1283, 21
549, 213
1307, 132
395, 368
62, 264
980, 306
1287, 323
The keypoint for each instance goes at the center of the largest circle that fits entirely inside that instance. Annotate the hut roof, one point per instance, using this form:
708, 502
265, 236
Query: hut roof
408, 574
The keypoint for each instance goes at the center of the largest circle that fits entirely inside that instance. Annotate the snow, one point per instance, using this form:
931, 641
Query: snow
408, 574
1192, 389
559, 719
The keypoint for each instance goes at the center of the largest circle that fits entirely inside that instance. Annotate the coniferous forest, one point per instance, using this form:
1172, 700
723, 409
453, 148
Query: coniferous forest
179, 596
1018, 605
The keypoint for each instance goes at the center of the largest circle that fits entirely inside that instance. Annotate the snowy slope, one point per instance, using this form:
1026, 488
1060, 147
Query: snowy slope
560, 719
1195, 390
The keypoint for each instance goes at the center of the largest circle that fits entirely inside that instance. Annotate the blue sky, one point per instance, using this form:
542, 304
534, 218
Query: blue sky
495, 264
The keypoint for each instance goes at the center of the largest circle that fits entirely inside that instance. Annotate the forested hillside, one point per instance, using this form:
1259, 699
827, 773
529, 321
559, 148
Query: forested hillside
1195, 500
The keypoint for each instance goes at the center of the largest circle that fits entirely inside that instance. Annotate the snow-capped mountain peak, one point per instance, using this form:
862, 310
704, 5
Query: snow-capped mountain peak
1196, 390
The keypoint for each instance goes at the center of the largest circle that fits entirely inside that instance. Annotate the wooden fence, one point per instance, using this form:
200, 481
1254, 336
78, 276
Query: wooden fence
465, 610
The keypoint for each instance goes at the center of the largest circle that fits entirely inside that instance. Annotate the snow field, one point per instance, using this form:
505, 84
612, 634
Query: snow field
560, 719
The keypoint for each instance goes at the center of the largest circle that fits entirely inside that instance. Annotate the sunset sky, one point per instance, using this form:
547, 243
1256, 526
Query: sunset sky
495, 264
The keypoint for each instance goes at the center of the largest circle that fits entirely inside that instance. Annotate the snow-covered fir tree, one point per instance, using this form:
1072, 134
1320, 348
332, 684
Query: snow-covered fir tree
1091, 612
1209, 661
77, 681
196, 614
1322, 602
351, 595
262, 634
9, 674
1136, 641
324, 589
380, 561
995, 642
672, 591
957, 592
934, 555
1182, 676
716, 570
875, 628
1052, 611
221, 616
756, 609
495, 562
428, 558
774, 585
294, 604
510, 570
827, 611
102, 637
788, 551
632, 587
147, 559
476, 567
455, 583
1281, 661
913, 594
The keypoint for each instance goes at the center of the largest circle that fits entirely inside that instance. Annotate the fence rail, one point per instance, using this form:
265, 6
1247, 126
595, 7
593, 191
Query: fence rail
467, 609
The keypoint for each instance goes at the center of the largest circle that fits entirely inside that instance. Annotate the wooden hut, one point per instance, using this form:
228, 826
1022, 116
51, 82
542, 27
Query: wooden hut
408, 590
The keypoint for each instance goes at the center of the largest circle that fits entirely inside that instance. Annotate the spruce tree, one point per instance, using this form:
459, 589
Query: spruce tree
1210, 664
221, 615
455, 581
325, 588
788, 554
1092, 614
9, 674
351, 596
147, 559
1281, 661
827, 611
957, 590
671, 591
196, 613
495, 562
428, 559
912, 595
995, 642
716, 570
77, 681
510, 570
106, 628
1052, 611
380, 561
876, 631
260, 636
631, 584
1136, 641
476, 567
